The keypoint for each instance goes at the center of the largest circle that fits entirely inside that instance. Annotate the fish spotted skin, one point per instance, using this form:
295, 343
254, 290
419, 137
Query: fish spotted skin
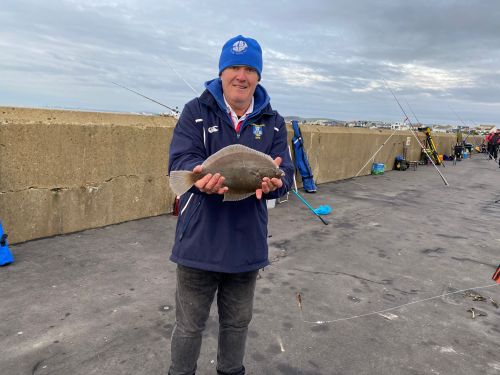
242, 167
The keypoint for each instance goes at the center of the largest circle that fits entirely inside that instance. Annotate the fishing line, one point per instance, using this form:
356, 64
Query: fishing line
456, 114
178, 74
416, 118
413, 132
319, 322
470, 132
463, 123
356, 183
146, 97
375, 154
413, 113
302, 321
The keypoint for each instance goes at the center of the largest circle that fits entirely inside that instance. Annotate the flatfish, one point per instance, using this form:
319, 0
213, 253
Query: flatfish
242, 167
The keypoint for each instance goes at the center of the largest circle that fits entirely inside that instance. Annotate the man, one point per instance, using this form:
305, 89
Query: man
495, 144
493, 139
220, 246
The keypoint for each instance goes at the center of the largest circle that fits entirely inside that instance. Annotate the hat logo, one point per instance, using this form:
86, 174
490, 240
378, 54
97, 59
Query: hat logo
239, 47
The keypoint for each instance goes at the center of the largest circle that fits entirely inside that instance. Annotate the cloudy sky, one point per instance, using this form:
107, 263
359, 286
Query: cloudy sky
325, 58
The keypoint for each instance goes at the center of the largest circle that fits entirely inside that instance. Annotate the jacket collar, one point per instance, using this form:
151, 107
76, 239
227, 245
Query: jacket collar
213, 93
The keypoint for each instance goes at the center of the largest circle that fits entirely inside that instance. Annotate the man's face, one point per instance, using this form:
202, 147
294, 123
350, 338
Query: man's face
238, 84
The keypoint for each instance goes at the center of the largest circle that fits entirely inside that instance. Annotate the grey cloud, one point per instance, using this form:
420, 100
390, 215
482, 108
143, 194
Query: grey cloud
431, 52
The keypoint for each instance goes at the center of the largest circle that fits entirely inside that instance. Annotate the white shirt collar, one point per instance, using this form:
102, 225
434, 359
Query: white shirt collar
233, 114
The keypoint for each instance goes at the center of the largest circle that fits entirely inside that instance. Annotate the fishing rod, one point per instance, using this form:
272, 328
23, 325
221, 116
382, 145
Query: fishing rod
296, 192
413, 113
456, 114
469, 133
309, 206
419, 123
462, 121
176, 111
178, 74
413, 132
375, 154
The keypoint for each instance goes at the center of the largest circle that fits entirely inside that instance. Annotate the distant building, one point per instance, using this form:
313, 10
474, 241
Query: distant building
400, 126
443, 128
484, 129
323, 122
464, 129
376, 125
355, 124
314, 121
174, 114
366, 124
384, 125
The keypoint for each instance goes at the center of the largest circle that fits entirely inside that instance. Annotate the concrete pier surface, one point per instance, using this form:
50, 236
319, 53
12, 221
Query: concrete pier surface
391, 279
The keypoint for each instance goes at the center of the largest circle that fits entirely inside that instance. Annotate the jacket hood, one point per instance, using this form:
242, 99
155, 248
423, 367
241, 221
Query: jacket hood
260, 97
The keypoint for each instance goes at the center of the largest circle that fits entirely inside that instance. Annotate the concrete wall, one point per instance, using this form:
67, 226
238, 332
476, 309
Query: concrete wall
65, 171
339, 153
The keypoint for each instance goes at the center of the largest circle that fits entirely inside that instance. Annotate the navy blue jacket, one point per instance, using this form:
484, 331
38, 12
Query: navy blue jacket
211, 234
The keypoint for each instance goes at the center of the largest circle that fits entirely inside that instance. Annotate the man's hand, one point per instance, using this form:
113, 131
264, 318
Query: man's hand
210, 184
270, 184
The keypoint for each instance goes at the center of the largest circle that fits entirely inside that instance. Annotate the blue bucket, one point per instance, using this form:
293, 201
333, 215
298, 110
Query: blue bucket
378, 168
465, 155
5, 255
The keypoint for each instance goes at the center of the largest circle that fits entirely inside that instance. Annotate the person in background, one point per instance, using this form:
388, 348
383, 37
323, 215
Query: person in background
497, 146
220, 246
493, 140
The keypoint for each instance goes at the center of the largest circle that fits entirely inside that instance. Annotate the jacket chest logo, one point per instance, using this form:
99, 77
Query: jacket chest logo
213, 129
257, 130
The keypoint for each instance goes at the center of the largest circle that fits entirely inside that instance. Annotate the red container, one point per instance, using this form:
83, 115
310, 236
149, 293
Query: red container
496, 275
175, 208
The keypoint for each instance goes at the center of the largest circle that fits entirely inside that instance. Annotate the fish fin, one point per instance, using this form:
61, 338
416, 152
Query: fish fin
181, 181
228, 196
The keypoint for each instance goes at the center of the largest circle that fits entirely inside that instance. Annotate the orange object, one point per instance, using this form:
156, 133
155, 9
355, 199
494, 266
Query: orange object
496, 275
175, 208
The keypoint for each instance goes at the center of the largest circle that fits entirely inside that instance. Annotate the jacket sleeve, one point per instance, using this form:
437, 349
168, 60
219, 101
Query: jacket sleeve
187, 149
280, 148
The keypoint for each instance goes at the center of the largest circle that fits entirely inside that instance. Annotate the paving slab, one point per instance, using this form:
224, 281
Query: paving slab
385, 288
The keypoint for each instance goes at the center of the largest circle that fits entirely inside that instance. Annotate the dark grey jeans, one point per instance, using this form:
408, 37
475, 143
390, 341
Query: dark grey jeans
194, 296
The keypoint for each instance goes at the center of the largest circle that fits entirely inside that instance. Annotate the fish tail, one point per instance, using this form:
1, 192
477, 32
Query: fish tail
181, 181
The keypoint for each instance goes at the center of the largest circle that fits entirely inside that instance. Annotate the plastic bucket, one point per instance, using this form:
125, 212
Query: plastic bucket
271, 203
378, 168
6, 256
465, 155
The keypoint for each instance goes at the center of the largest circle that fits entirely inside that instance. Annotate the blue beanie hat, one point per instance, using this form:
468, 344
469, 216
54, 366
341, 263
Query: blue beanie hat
241, 51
